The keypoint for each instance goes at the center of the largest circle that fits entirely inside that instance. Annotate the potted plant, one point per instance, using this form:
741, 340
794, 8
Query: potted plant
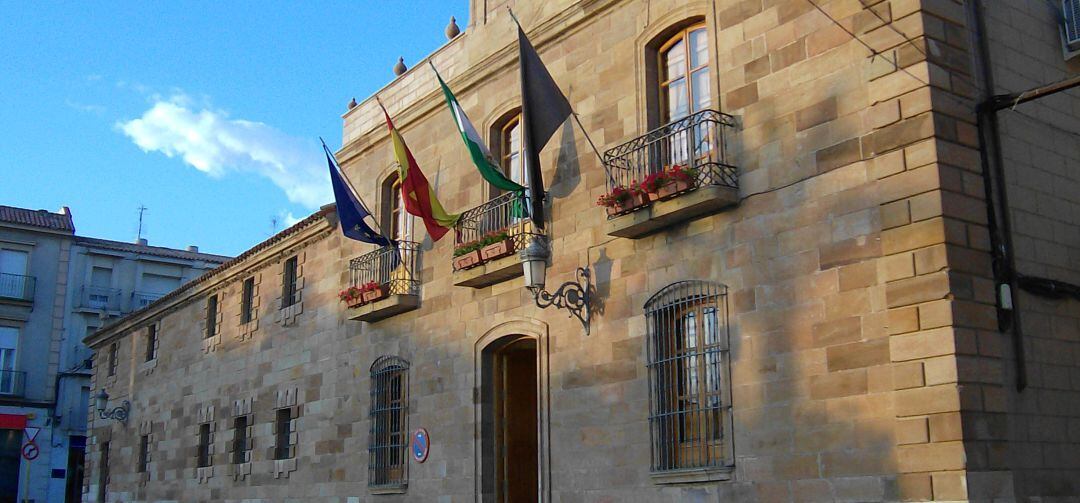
352, 296
467, 255
373, 291
679, 179
622, 199
496, 245
654, 183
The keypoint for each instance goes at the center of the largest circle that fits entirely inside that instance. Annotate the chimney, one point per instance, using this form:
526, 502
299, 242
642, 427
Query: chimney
193, 249
64, 210
141, 241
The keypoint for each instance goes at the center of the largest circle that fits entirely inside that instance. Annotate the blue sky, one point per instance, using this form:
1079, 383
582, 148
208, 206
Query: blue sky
208, 113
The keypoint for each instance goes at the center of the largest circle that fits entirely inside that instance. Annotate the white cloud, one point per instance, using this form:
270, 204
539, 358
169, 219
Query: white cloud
217, 145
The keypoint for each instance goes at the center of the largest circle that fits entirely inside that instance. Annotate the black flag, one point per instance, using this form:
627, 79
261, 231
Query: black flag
543, 110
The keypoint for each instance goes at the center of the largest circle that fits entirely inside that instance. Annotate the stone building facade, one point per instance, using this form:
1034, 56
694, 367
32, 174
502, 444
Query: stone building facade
823, 325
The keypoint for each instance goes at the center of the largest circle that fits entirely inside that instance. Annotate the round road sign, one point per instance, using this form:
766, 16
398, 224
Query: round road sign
421, 444
30, 451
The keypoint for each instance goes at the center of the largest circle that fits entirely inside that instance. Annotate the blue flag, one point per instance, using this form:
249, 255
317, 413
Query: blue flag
350, 212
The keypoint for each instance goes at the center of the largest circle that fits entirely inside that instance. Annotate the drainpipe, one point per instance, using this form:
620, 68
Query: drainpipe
1001, 245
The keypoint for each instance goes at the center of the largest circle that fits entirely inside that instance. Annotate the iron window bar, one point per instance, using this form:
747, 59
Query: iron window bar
688, 365
17, 286
394, 267
507, 213
696, 142
388, 436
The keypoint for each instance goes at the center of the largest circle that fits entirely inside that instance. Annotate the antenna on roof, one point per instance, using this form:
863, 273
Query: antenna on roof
142, 209
273, 225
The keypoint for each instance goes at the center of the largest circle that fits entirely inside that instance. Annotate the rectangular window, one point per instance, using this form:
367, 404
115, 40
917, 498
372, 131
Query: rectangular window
204, 445
240, 440
144, 453
103, 473
288, 284
283, 432
151, 342
211, 316
114, 348
247, 301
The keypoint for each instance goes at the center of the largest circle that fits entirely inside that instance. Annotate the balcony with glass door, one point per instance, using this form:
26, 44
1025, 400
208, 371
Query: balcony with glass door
140, 300
17, 288
98, 298
672, 174
12, 384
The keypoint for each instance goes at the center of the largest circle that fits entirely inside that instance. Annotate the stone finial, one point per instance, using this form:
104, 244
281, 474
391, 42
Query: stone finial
352, 103
452, 29
400, 67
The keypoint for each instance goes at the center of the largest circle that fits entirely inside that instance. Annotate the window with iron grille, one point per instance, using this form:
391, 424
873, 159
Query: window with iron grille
241, 447
144, 453
204, 458
114, 348
211, 316
690, 405
247, 301
288, 284
151, 342
283, 446
388, 434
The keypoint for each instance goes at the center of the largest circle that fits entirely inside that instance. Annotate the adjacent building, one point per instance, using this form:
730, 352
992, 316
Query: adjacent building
55, 289
818, 298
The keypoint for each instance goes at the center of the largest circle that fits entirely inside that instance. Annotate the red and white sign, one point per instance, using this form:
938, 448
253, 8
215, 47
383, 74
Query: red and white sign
32, 433
30, 451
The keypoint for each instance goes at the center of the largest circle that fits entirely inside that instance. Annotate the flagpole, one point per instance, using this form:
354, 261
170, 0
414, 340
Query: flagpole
356, 193
572, 112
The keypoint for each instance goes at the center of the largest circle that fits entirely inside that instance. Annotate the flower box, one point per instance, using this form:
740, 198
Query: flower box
672, 189
374, 294
355, 302
633, 202
497, 250
467, 260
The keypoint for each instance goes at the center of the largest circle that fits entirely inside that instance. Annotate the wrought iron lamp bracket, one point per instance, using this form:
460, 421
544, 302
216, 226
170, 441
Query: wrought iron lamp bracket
574, 296
119, 413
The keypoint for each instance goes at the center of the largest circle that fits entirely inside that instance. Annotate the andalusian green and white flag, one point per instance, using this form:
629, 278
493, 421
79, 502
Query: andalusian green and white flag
481, 156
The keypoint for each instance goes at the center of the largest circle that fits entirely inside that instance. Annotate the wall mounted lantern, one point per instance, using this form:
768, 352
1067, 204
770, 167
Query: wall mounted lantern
573, 296
119, 413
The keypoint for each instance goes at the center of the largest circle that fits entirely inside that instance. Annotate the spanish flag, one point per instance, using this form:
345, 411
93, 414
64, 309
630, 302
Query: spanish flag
418, 194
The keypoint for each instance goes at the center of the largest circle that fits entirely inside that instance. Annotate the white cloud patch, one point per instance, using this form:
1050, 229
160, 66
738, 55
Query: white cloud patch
217, 145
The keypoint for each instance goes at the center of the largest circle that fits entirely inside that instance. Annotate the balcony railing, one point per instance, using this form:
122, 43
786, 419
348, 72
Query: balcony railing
100, 298
12, 383
17, 287
395, 268
502, 214
695, 142
140, 300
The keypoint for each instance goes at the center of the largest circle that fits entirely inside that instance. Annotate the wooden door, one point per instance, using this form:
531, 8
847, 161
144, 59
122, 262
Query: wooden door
516, 422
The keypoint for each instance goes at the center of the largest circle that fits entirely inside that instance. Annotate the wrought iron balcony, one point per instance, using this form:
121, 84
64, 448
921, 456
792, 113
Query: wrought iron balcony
140, 300
486, 237
392, 271
99, 298
17, 287
395, 268
697, 145
12, 383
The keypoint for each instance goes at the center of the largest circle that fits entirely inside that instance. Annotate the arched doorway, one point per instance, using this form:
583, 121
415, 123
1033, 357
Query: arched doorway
512, 426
